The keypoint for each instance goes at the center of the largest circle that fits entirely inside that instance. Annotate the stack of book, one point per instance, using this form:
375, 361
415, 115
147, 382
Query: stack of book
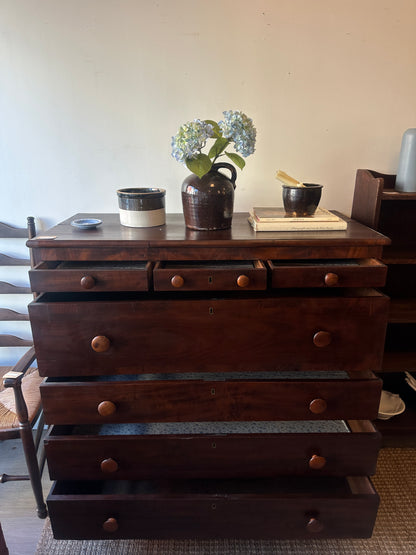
276, 219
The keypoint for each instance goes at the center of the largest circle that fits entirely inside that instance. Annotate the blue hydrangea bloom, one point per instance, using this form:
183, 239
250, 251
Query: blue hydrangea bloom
190, 139
239, 128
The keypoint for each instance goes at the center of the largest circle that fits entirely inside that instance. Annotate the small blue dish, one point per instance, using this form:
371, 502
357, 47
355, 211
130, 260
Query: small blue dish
86, 223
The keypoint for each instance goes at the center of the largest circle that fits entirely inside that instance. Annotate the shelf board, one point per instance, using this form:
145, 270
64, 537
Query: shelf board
399, 255
399, 361
392, 194
402, 311
399, 431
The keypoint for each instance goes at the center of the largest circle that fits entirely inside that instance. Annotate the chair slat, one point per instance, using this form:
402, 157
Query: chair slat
8, 231
8, 315
6, 288
7, 340
6, 260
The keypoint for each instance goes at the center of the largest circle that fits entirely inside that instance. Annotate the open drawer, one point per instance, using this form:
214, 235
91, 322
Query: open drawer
216, 275
116, 333
211, 397
367, 272
212, 450
251, 509
90, 276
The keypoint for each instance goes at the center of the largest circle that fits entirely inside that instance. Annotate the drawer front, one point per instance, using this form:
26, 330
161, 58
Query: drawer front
339, 273
91, 276
252, 509
210, 276
204, 401
183, 334
75, 456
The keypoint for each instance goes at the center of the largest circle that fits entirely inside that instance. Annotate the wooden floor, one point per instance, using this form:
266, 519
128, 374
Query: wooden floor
20, 523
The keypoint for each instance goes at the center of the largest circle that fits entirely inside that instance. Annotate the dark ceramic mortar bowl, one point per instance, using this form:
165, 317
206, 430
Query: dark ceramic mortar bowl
301, 201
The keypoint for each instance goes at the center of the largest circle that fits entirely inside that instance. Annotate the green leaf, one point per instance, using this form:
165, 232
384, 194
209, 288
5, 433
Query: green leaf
199, 165
238, 161
216, 127
218, 147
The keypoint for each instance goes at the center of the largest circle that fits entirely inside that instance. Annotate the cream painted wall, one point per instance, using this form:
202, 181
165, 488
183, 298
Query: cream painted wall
92, 91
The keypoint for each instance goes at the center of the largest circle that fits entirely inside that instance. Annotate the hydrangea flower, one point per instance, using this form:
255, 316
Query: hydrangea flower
191, 139
235, 129
240, 129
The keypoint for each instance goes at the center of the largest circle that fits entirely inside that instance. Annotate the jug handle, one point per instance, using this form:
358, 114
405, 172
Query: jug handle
228, 167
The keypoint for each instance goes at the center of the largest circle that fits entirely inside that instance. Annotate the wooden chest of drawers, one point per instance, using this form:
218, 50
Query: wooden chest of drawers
209, 384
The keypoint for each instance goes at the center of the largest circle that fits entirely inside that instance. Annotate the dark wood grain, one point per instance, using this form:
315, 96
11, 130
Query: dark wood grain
257, 509
229, 334
393, 213
191, 319
205, 400
79, 457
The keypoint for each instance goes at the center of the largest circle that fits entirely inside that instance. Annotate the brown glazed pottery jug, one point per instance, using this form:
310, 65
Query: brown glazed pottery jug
208, 202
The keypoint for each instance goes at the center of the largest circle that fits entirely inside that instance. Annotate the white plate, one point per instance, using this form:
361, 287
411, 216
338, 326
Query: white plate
390, 405
86, 223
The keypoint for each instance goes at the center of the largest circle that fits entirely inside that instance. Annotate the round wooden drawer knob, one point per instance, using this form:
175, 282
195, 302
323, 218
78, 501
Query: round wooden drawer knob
106, 408
322, 339
110, 525
243, 281
177, 281
316, 462
318, 406
87, 282
331, 279
109, 466
100, 344
314, 526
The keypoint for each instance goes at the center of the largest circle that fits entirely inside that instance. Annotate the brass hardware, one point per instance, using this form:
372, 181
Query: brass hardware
211, 310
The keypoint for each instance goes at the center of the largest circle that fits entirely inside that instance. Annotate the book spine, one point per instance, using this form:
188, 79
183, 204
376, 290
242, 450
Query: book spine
301, 226
322, 217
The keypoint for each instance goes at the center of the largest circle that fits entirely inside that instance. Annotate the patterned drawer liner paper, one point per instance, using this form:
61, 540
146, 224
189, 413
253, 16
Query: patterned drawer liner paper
200, 428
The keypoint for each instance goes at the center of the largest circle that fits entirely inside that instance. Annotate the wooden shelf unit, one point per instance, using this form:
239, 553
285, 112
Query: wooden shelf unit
379, 205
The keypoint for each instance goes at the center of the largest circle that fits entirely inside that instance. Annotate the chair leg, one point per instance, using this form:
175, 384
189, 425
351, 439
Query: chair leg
33, 467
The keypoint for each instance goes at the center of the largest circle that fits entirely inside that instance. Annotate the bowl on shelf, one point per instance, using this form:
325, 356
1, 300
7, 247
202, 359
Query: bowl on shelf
390, 405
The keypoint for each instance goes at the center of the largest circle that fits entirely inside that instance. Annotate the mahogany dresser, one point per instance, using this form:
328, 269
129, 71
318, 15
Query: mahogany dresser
209, 384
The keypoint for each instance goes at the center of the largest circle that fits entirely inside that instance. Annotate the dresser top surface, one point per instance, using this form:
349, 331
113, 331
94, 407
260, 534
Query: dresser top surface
175, 234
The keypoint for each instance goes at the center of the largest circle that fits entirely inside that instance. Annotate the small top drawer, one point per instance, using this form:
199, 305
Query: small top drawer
210, 276
90, 276
328, 273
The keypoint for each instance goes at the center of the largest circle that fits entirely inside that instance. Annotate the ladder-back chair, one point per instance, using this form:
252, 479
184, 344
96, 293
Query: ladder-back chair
20, 404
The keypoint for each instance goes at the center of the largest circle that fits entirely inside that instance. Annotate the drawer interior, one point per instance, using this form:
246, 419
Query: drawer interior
206, 428
334, 375
291, 486
209, 265
91, 265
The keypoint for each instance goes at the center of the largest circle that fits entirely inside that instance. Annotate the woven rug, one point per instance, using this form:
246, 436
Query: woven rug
394, 531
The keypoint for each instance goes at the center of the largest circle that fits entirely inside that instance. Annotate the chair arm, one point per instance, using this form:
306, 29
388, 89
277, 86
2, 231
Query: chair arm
14, 377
